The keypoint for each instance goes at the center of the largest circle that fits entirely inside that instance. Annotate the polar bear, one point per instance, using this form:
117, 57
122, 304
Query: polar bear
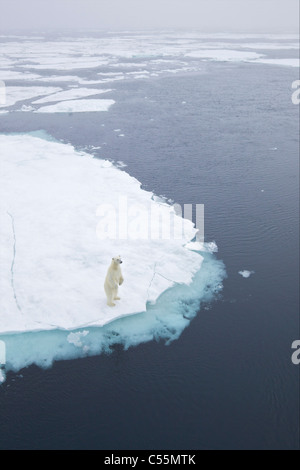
113, 280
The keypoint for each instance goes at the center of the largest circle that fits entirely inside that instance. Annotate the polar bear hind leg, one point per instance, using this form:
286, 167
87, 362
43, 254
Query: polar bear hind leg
115, 295
110, 302
110, 299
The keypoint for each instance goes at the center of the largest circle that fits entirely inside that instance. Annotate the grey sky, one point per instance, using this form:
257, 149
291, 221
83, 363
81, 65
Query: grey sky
208, 15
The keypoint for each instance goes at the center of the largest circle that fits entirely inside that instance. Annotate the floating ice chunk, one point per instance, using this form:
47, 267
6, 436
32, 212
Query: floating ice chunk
57, 62
20, 37
69, 78
281, 62
110, 74
226, 55
60, 78
128, 64
19, 93
246, 273
108, 80
71, 94
77, 106
7, 75
136, 77
270, 45
2, 376
140, 72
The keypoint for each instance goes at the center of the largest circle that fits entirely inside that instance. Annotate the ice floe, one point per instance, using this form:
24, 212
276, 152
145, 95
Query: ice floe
14, 75
66, 63
71, 94
246, 273
226, 55
77, 106
53, 199
164, 321
282, 62
115, 58
19, 93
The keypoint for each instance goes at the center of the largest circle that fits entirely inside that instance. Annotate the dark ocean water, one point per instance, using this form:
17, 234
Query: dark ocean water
228, 382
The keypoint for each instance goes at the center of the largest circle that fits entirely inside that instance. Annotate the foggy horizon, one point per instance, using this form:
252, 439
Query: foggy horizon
209, 16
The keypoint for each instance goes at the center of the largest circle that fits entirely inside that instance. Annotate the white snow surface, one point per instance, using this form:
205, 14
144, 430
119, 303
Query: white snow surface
53, 264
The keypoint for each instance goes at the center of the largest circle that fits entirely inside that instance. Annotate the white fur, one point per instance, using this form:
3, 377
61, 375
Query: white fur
113, 280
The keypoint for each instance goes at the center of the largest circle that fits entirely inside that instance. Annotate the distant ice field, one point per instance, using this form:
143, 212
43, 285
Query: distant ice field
109, 58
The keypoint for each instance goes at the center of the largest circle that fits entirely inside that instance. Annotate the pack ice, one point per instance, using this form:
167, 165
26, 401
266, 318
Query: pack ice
53, 261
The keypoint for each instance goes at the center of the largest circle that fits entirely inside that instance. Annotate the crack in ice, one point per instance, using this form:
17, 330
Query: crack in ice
171, 280
159, 274
12, 281
150, 284
13, 273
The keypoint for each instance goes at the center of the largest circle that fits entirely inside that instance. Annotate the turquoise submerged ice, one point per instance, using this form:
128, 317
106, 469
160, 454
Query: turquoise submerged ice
53, 305
165, 320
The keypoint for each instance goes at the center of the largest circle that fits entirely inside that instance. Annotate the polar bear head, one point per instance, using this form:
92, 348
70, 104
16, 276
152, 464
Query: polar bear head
117, 260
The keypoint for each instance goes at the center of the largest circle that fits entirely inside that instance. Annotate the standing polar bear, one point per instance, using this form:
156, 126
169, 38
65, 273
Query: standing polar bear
113, 280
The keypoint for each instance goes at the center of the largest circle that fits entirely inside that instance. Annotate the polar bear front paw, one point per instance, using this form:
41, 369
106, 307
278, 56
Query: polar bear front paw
111, 304
117, 298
